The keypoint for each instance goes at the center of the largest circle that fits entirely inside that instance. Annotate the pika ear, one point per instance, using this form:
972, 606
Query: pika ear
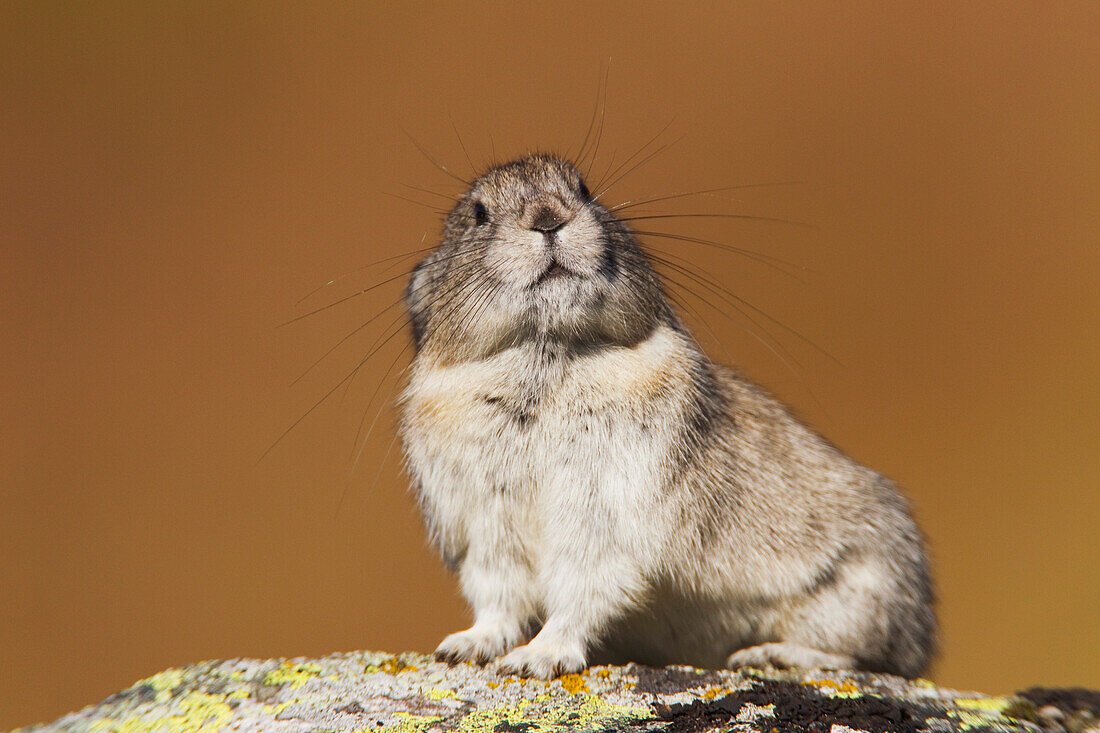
415, 303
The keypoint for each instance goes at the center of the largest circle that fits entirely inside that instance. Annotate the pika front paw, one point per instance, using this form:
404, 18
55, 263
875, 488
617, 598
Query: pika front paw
542, 660
479, 646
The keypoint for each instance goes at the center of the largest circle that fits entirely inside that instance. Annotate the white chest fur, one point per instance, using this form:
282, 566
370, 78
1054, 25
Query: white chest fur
526, 449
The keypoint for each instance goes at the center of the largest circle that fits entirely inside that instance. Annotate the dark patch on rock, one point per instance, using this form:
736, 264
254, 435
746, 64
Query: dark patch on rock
352, 708
138, 693
262, 693
1021, 710
507, 727
797, 710
217, 686
1069, 699
669, 681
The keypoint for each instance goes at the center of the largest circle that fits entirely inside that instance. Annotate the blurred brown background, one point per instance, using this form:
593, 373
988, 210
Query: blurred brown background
173, 179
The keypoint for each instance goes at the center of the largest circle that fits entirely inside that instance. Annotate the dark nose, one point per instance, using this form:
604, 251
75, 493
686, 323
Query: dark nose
548, 220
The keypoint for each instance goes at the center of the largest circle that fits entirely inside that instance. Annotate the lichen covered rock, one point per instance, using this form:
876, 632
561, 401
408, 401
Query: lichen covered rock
365, 691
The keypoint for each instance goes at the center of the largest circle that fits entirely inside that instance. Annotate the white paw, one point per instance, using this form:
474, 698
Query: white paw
543, 660
478, 645
782, 655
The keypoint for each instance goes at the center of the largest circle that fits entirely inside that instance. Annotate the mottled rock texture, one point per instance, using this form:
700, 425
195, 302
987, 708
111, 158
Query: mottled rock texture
366, 691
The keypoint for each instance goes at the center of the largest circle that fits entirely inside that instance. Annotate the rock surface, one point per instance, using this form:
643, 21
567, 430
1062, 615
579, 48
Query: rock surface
371, 691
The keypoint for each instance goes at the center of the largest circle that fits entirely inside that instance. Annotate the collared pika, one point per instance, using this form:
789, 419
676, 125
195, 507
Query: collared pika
608, 494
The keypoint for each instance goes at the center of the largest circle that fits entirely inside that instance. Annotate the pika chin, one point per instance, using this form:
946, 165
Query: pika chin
604, 492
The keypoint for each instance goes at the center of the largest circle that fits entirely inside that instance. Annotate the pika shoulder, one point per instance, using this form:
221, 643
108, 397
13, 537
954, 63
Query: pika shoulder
604, 492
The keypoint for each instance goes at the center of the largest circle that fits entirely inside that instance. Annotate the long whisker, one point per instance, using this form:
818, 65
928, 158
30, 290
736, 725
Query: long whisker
366, 411
347, 378
456, 301
380, 341
342, 341
591, 122
748, 217
411, 200
374, 482
682, 303
473, 168
603, 176
792, 368
434, 162
356, 294
637, 153
603, 116
342, 300
357, 270
781, 353
771, 261
471, 290
706, 281
446, 197
642, 202
637, 165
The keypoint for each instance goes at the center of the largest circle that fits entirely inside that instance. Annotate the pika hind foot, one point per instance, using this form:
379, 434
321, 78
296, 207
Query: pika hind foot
479, 645
542, 660
782, 655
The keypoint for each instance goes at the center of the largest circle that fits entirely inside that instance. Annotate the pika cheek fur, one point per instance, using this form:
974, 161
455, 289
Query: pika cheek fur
606, 493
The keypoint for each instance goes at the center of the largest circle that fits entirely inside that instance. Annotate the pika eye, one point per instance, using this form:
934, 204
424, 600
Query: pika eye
481, 214
583, 191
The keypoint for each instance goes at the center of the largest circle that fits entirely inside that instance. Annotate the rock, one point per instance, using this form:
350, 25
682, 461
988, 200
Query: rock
366, 691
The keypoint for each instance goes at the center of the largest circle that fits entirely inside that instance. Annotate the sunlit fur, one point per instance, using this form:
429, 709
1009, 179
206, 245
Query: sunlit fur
607, 494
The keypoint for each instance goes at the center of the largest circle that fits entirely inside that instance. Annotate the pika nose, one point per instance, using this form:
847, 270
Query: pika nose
548, 220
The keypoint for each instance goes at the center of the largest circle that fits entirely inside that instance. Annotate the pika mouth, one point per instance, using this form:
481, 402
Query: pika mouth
556, 271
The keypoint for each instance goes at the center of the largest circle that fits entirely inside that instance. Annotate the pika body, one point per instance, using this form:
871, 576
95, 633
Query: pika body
608, 494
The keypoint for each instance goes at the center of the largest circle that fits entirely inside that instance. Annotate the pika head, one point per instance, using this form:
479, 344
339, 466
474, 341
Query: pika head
528, 252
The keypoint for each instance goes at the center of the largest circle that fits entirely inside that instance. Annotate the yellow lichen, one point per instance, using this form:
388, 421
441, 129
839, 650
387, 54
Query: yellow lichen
167, 680
979, 712
550, 715
439, 694
194, 712
410, 723
274, 710
968, 720
393, 665
486, 720
832, 688
573, 683
712, 692
988, 704
294, 674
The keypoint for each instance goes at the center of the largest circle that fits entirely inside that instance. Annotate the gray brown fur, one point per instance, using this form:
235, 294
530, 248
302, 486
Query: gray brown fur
605, 492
